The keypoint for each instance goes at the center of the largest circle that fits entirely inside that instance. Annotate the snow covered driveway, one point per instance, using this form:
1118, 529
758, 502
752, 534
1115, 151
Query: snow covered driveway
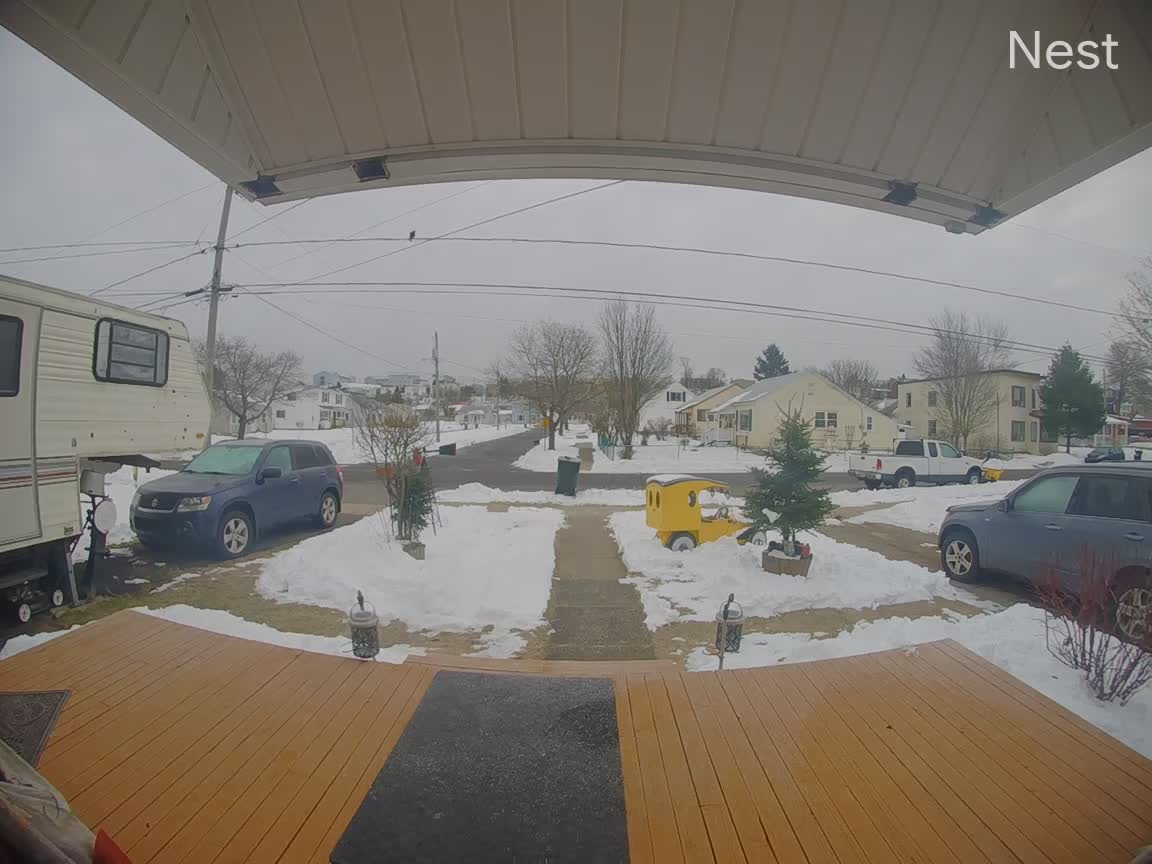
921, 508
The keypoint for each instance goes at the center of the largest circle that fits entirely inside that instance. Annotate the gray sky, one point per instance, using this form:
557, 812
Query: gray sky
73, 165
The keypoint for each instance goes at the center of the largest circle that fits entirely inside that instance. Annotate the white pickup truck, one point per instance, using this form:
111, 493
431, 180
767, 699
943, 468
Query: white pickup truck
912, 461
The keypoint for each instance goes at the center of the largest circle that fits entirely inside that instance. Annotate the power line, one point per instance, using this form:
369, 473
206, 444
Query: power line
105, 243
270, 218
410, 286
149, 270
1125, 252
779, 259
477, 224
98, 254
153, 209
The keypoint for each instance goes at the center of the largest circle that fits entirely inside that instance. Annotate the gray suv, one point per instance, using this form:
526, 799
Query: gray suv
1048, 525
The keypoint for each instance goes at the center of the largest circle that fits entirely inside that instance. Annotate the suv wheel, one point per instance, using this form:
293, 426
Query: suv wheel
1134, 607
329, 510
960, 557
235, 534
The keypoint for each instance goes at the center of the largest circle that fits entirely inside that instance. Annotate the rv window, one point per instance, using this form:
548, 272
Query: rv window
128, 354
11, 342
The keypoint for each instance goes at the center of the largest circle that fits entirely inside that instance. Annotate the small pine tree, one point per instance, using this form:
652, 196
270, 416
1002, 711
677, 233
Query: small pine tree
1072, 402
788, 490
770, 364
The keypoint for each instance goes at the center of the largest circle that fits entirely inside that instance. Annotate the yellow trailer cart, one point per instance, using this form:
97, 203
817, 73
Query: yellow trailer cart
675, 510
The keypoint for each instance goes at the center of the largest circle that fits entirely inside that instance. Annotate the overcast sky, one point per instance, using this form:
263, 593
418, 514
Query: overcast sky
74, 165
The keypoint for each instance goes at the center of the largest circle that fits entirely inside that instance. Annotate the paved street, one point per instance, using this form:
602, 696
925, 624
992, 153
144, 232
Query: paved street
490, 463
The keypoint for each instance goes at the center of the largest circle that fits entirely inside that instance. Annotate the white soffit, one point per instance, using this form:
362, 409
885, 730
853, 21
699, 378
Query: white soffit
903, 106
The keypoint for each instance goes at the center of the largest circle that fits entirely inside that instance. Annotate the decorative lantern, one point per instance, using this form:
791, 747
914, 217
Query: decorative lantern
729, 627
362, 622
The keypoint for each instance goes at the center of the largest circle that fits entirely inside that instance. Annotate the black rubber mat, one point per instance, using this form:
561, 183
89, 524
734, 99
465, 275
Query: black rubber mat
507, 768
27, 719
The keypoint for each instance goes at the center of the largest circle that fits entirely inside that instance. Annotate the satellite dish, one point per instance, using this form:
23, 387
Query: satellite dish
104, 516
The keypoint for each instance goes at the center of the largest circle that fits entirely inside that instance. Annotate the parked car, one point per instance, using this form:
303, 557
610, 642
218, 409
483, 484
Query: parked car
235, 490
912, 461
1054, 523
1105, 454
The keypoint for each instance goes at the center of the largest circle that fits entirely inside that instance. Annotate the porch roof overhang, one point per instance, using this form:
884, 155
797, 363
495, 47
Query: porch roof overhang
905, 108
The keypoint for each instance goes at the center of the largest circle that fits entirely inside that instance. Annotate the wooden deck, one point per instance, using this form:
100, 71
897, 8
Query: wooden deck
189, 746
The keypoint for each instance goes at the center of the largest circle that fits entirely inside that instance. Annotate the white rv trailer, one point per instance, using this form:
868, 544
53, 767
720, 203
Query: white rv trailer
85, 388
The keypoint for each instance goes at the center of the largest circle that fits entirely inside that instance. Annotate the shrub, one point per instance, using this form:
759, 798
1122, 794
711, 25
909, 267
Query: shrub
1080, 630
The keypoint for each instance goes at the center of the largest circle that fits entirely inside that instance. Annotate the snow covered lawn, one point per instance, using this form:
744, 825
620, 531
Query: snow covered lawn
659, 457
342, 442
481, 570
1013, 639
921, 508
690, 586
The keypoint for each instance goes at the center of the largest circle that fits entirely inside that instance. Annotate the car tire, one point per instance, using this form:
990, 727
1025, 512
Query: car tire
329, 510
1132, 605
960, 556
975, 476
235, 535
905, 478
682, 542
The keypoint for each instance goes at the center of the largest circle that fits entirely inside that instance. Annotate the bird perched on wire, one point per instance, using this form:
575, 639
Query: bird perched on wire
411, 235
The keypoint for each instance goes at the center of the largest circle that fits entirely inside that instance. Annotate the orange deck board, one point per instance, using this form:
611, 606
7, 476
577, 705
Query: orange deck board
188, 745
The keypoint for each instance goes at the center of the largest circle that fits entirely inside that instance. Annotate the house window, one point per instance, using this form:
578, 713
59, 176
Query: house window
1017, 429
825, 420
908, 399
127, 354
324, 396
291, 397
701, 415
675, 396
11, 343
1035, 426
932, 427
831, 419
744, 421
1033, 402
868, 423
339, 399
279, 413
931, 398
1017, 398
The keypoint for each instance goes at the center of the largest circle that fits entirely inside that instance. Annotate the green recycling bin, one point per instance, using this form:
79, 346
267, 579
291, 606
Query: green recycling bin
567, 473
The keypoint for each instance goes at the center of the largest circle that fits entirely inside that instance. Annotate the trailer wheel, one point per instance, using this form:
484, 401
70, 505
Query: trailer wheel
24, 613
57, 597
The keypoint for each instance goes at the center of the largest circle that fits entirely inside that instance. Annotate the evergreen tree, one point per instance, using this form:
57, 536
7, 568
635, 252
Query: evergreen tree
1072, 402
397, 398
788, 490
770, 364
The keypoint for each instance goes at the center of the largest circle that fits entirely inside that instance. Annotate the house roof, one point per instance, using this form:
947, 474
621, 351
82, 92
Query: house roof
1022, 372
915, 115
706, 395
762, 388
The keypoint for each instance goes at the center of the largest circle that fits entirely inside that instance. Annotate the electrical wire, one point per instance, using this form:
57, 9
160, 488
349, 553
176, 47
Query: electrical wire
149, 270
153, 209
410, 286
779, 259
270, 218
420, 242
98, 254
105, 243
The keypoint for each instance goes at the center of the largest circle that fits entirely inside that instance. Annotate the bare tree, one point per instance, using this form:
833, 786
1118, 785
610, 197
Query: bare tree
962, 351
389, 435
637, 357
857, 378
714, 377
552, 366
1129, 369
248, 381
1136, 308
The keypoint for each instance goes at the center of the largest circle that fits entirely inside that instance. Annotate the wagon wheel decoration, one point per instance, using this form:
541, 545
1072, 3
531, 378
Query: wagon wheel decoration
1134, 613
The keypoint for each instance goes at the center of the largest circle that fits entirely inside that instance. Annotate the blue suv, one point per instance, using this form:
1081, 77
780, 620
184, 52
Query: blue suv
235, 489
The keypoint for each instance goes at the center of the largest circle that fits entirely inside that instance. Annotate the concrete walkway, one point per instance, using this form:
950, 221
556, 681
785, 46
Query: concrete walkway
593, 615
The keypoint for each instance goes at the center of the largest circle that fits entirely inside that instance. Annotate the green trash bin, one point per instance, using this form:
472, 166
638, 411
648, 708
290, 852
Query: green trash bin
567, 473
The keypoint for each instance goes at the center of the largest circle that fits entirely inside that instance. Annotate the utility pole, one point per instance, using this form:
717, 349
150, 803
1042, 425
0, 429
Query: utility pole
436, 380
213, 306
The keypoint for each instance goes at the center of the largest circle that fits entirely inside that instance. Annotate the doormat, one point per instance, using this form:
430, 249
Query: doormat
27, 719
508, 768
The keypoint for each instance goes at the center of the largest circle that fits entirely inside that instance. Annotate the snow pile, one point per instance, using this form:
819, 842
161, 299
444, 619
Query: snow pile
481, 570
921, 509
1026, 461
342, 442
120, 486
219, 621
19, 644
690, 586
659, 457
1013, 639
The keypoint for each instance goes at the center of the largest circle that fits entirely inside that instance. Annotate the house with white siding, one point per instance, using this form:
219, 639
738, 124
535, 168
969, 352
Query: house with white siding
313, 408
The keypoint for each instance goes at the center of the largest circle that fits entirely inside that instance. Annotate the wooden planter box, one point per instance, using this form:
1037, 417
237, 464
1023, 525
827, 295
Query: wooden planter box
784, 565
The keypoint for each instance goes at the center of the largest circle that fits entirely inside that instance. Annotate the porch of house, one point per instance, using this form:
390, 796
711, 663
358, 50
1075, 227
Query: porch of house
186, 745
